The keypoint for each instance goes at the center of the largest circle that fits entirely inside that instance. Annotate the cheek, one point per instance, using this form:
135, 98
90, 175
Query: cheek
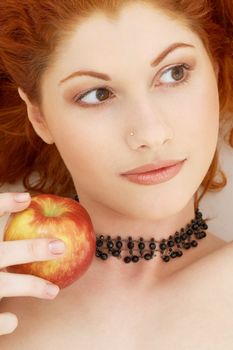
205, 114
197, 117
80, 148
200, 132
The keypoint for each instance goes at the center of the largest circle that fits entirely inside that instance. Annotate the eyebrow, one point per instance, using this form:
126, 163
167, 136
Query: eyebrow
106, 77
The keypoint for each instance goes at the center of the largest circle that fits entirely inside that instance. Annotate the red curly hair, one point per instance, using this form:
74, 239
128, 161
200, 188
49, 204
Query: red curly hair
30, 33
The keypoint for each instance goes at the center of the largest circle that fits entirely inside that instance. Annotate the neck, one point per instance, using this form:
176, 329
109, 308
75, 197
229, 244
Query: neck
109, 222
115, 272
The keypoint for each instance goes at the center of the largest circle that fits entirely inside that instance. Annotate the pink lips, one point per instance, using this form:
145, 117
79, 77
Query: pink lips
154, 173
153, 166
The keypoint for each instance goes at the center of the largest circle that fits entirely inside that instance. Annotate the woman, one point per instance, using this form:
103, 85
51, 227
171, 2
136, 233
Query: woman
92, 90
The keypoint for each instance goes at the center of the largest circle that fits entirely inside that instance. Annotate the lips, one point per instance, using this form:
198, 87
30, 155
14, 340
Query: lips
153, 166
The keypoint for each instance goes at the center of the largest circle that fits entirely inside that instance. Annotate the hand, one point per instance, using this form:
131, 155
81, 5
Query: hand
20, 252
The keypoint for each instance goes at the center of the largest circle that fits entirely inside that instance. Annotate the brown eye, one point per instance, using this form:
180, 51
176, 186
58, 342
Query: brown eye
174, 75
102, 94
178, 73
92, 97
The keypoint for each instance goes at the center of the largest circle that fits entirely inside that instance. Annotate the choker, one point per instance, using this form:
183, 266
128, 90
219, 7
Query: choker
168, 249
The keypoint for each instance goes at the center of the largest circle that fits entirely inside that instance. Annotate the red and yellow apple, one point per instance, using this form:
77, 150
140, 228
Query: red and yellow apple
52, 216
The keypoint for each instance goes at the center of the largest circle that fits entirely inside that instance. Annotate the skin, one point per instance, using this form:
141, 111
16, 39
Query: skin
169, 122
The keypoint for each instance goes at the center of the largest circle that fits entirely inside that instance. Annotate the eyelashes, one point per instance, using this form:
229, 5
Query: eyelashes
179, 73
181, 68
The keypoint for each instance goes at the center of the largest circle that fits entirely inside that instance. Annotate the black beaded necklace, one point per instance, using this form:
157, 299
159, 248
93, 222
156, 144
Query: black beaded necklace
146, 249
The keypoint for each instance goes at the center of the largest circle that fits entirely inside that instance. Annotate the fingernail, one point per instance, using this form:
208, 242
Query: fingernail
52, 290
22, 197
57, 247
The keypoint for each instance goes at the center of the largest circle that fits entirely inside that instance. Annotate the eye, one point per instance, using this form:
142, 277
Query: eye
94, 96
175, 75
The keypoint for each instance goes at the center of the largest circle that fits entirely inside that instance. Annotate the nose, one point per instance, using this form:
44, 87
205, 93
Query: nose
150, 128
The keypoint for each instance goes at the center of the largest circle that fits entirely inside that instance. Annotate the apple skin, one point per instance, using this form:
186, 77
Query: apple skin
52, 216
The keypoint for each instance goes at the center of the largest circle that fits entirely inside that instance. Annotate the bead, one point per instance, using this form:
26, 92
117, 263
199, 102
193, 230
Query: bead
189, 232
99, 243
186, 245
110, 245
98, 253
104, 256
165, 258
141, 246
195, 226
183, 236
152, 246
116, 252
203, 234
173, 255
119, 244
147, 256
162, 246
130, 245
177, 239
135, 258
127, 259
194, 243
170, 243
199, 235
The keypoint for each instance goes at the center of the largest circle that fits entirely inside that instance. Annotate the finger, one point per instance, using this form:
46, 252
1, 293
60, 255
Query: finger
13, 202
8, 323
29, 250
18, 285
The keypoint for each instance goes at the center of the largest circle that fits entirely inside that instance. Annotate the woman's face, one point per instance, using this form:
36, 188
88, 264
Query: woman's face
172, 107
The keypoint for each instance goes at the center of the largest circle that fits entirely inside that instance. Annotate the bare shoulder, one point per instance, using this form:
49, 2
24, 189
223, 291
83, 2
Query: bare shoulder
213, 269
220, 254
217, 256
203, 300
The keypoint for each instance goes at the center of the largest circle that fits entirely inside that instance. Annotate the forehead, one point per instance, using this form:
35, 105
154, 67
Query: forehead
139, 31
